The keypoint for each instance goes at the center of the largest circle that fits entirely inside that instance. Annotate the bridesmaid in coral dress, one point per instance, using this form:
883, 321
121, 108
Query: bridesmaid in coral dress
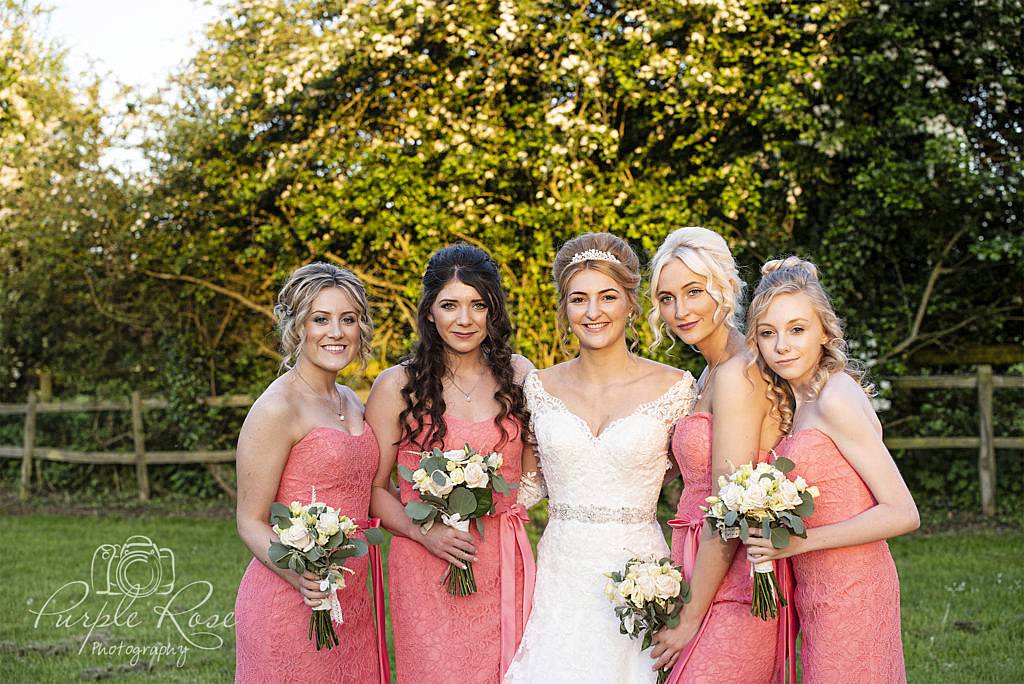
697, 293
306, 431
461, 384
847, 590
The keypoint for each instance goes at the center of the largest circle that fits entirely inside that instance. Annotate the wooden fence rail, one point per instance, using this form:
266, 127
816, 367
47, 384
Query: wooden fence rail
985, 441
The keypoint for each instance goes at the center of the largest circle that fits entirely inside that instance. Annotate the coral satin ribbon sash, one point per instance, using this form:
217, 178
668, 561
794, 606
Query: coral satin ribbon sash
512, 538
785, 654
692, 528
377, 581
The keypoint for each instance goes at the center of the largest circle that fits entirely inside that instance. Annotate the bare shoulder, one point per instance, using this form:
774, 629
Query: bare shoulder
737, 378
385, 400
553, 373
274, 410
391, 380
661, 374
522, 367
844, 407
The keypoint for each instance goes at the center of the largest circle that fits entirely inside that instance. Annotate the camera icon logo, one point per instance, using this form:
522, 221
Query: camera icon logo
137, 568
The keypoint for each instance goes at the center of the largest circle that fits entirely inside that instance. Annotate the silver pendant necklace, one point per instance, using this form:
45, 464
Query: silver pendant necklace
340, 411
468, 395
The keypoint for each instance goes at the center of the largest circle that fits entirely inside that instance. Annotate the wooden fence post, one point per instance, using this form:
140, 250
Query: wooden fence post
987, 450
141, 472
28, 444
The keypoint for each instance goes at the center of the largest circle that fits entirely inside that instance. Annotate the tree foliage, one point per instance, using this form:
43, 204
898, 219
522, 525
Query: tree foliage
881, 140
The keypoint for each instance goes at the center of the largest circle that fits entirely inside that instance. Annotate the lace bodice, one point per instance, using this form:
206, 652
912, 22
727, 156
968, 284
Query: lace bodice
623, 466
603, 491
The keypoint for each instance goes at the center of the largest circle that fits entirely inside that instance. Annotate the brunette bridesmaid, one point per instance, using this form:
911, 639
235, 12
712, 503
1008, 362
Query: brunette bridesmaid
697, 296
461, 384
847, 590
306, 431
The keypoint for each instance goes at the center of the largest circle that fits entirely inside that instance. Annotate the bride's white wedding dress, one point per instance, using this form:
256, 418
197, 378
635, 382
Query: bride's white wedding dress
602, 497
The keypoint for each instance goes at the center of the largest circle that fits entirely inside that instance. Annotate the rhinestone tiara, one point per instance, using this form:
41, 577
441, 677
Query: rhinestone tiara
593, 255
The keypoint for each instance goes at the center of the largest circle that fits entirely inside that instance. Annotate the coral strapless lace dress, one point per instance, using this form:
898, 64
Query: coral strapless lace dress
848, 599
272, 623
463, 639
732, 645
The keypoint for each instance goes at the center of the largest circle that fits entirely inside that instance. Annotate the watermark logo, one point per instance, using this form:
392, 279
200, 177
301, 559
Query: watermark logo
137, 568
133, 585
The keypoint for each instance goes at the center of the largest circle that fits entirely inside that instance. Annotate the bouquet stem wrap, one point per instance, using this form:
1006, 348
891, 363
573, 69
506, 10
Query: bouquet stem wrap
458, 581
766, 588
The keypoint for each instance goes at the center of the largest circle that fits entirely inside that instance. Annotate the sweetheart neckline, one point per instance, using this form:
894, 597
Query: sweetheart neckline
608, 426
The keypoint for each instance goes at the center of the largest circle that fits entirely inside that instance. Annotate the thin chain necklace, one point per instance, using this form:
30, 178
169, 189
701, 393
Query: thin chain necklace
468, 395
340, 411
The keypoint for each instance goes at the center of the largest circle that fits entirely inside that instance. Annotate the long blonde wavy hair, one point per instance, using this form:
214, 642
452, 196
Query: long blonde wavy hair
785, 276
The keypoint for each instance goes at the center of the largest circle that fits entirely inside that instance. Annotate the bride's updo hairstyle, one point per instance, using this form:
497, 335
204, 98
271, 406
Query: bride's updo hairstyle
786, 276
572, 259
296, 298
707, 254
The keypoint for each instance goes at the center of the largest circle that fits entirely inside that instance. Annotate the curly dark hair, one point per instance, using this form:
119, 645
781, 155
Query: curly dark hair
426, 364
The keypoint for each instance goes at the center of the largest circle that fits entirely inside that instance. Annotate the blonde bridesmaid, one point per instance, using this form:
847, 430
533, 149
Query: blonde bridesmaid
847, 590
306, 431
697, 296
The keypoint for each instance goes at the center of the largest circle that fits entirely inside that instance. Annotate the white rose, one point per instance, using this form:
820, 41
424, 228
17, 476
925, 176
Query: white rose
494, 460
627, 587
328, 523
457, 455
800, 483
297, 536
667, 586
295, 508
813, 491
436, 489
753, 498
476, 458
419, 477
789, 493
476, 477
732, 496
646, 587
458, 476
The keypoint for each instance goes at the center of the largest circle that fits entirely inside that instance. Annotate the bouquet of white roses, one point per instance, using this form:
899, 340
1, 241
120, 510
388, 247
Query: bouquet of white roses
764, 498
647, 595
458, 486
316, 537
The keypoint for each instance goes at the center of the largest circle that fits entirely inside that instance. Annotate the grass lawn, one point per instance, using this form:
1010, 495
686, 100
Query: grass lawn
963, 613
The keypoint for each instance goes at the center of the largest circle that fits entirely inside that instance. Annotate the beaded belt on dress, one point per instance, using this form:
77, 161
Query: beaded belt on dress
601, 514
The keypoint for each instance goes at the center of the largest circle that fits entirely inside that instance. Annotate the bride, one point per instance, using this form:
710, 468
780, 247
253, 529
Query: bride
601, 422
